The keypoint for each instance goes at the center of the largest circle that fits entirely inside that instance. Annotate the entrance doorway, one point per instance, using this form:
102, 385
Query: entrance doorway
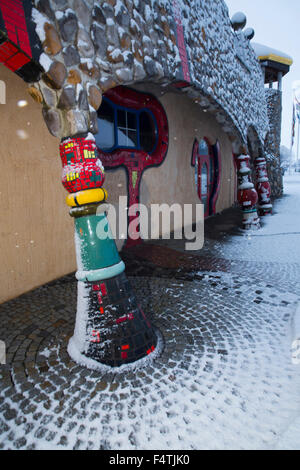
206, 160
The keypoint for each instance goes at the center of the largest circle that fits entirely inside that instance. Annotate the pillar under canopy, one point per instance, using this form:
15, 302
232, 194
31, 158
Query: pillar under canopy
247, 195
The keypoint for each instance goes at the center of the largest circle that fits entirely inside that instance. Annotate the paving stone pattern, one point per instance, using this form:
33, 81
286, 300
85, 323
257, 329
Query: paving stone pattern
224, 379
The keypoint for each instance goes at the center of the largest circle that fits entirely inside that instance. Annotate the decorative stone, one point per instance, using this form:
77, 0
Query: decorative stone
99, 39
93, 122
95, 97
68, 26
129, 5
108, 10
76, 122
50, 96
71, 56
166, 29
44, 7
107, 83
112, 32
67, 98
147, 45
83, 100
74, 77
122, 16
137, 52
139, 72
134, 28
124, 75
56, 75
114, 55
98, 15
90, 69
150, 66
104, 66
53, 121
60, 3
84, 44
128, 58
52, 44
83, 12
35, 94
125, 39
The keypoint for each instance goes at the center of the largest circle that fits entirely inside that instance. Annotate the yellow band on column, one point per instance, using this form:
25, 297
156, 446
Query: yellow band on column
86, 197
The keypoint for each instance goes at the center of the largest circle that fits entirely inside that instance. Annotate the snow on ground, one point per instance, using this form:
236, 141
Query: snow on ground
278, 238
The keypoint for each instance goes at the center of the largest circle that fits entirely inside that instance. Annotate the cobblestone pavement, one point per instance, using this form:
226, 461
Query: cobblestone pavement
224, 380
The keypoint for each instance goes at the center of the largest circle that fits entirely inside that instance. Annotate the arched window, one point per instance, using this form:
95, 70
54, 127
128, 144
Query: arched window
121, 127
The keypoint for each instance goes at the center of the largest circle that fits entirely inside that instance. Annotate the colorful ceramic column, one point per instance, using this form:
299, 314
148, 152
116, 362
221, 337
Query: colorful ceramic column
111, 327
247, 195
263, 187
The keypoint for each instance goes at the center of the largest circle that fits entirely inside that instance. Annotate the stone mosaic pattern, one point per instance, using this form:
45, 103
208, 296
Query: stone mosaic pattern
272, 144
90, 47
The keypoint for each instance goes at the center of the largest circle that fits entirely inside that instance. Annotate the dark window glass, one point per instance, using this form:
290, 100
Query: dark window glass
121, 118
127, 129
131, 120
147, 132
105, 138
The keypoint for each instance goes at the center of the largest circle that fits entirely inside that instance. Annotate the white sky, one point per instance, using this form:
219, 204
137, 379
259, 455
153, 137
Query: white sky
277, 25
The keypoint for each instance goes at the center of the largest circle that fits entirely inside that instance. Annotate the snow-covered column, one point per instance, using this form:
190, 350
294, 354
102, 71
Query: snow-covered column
111, 327
247, 195
263, 187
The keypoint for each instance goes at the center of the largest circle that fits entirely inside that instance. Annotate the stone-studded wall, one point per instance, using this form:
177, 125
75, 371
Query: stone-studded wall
272, 143
91, 46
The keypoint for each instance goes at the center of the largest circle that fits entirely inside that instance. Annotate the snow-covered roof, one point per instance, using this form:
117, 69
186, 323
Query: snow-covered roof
267, 53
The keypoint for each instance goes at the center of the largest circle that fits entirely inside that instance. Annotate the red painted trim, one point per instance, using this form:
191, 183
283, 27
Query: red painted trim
15, 23
216, 171
181, 84
181, 42
12, 57
218, 183
195, 152
234, 155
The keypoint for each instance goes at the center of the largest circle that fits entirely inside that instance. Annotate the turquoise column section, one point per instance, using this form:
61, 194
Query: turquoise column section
96, 251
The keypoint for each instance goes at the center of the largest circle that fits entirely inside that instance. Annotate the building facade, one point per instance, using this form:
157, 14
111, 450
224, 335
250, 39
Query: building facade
164, 99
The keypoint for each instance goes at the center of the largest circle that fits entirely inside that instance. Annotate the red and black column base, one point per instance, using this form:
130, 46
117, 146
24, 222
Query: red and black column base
117, 330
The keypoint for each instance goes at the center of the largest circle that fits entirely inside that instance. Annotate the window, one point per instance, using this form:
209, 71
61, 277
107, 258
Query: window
106, 138
147, 132
127, 129
120, 127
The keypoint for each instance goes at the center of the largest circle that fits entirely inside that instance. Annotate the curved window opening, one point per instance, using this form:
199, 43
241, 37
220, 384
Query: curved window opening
121, 127
147, 132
